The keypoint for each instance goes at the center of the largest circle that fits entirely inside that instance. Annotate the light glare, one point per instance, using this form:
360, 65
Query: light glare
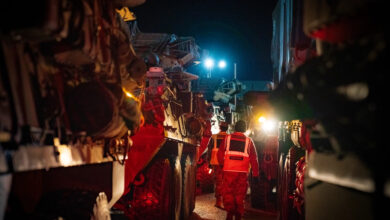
128, 94
65, 155
269, 125
262, 119
222, 64
215, 129
209, 63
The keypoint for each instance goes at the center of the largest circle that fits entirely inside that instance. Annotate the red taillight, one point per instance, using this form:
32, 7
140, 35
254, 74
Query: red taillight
160, 90
148, 199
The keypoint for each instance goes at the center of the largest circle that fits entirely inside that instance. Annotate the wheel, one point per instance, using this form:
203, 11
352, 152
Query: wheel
285, 204
288, 186
188, 188
299, 198
280, 192
176, 189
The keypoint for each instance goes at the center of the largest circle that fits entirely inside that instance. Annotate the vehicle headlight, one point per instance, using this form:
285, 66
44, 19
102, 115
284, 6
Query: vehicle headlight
262, 119
269, 125
266, 124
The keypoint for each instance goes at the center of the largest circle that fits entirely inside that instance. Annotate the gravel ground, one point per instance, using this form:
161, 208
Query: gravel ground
205, 210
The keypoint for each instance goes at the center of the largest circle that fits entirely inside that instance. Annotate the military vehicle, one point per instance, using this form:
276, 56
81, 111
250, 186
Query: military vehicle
96, 115
329, 58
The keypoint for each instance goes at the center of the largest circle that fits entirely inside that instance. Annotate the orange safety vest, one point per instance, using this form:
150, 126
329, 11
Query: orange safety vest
236, 161
214, 151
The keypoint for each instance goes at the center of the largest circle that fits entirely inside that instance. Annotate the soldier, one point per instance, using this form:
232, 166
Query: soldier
213, 146
236, 153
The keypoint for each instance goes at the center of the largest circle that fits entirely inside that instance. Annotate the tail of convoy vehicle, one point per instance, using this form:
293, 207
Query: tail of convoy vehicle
90, 104
329, 63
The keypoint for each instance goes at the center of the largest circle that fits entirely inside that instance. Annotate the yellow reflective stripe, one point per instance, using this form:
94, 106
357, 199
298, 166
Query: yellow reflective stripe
238, 153
227, 143
215, 140
237, 171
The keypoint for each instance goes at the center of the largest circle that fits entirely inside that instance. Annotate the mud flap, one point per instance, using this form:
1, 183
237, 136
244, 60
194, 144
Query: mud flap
151, 199
176, 188
146, 143
188, 188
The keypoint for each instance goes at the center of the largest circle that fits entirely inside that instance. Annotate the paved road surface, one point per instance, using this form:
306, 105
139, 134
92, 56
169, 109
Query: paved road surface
205, 210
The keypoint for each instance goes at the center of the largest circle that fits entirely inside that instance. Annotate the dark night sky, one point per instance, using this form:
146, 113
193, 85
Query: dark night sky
237, 31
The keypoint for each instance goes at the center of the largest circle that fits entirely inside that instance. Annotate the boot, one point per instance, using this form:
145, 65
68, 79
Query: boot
218, 202
229, 216
238, 216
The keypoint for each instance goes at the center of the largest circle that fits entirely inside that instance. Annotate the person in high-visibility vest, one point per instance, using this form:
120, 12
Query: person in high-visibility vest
213, 146
237, 154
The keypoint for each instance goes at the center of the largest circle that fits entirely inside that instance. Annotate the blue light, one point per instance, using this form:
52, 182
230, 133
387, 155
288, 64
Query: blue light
222, 64
209, 63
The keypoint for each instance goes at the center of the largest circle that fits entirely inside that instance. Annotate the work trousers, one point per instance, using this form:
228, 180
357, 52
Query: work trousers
234, 189
218, 177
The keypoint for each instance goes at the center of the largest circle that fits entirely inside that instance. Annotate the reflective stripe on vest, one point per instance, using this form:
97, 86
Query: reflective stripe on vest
236, 161
214, 151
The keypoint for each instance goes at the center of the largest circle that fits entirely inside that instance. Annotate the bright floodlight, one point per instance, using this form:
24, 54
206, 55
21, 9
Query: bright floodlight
222, 64
269, 125
209, 63
262, 119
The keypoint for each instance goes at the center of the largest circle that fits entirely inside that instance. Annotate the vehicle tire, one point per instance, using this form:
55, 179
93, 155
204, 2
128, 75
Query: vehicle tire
280, 191
188, 188
285, 204
176, 189
287, 211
